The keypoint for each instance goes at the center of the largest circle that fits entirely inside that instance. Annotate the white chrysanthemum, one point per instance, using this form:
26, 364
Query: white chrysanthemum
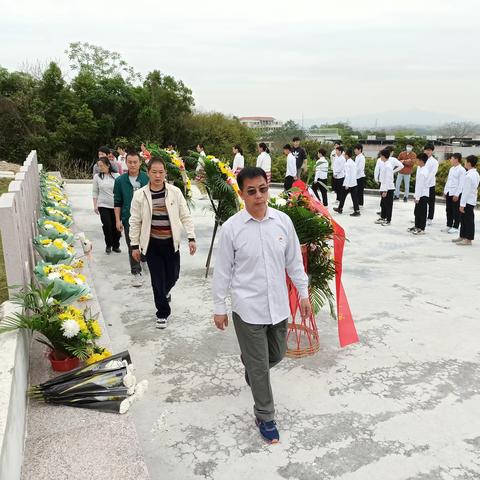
280, 201
70, 328
53, 275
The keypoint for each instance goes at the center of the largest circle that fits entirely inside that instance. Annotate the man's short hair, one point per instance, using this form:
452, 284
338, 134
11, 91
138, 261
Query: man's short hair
340, 148
322, 152
132, 153
472, 160
429, 146
295, 139
359, 146
250, 173
104, 150
287, 147
457, 155
156, 161
423, 157
385, 152
349, 152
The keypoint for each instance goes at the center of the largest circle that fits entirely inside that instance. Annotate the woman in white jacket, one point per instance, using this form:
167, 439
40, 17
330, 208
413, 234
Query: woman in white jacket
238, 160
158, 214
264, 161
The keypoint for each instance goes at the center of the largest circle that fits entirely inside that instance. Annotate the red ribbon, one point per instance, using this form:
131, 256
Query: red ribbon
347, 333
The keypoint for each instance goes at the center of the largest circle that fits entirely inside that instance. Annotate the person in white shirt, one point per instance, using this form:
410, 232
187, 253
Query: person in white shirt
202, 155
122, 157
360, 164
420, 196
333, 153
264, 161
257, 246
338, 168
387, 187
432, 166
349, 185
468, 202
238, 160
321, 175
291, 171
452, 192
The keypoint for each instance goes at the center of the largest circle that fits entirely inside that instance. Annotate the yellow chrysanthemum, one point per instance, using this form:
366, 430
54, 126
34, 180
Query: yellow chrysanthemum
95, 328
68, 278
78, 264
46, 241
96, 357
83, 278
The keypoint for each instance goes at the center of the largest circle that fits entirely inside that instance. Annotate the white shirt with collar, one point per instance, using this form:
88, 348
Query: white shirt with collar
291, 165
453, 187
469, 188
386, 177
432, 167
421, 183
238, 162
360, 164
338, 167
264, 161
321, 169
252, 257
350, 174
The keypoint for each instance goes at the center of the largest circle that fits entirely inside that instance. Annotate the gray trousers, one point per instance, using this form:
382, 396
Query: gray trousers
262, 347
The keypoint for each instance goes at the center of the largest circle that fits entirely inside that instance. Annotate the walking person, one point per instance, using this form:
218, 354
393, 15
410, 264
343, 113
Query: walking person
264, 161
452, 193
158, 214
349, 185
321, 175
360, 165
408, 158
291, 170
238, 160
468, 202
432, 166
102, 193
300, 156
122, 157
257, 246
386, 187
125, 186
338, 168
420, 195
333, 153
105, 152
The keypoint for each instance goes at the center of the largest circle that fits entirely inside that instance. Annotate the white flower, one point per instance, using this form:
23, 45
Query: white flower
53, 275
47, 226
70, 328
280, 201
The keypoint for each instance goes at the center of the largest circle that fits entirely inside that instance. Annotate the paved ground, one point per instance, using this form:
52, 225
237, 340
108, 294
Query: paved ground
403, 404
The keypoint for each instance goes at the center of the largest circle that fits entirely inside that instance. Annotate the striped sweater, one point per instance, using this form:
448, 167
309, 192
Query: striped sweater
161, 228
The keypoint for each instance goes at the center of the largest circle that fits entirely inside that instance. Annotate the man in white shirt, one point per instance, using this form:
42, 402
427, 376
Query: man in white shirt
360, 164
349, 185
256, 247
291, 171
321, 175
421, 196
432, 167
338, 168
333, 153
452, 192
468, 201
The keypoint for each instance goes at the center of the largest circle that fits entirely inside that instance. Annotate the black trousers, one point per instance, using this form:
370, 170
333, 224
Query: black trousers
453, 212
360, 190
135, 266
421, 213
386, 206
353, 191
338, 186
110, 232
431, 203
288, 182
164, 265
316, 186
467, 223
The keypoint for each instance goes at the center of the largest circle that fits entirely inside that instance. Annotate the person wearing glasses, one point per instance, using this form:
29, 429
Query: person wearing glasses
159, 212
256, 246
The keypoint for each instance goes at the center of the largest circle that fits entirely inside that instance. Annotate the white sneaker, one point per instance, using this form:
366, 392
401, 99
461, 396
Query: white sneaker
453, 230
161, 323
445, 230
137, 280
429, 222
418, 232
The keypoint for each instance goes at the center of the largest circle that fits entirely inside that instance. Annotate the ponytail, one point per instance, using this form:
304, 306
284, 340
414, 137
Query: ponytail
264, 147
239, 148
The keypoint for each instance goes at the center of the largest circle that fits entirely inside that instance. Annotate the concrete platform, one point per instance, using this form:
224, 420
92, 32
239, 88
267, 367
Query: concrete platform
403, 404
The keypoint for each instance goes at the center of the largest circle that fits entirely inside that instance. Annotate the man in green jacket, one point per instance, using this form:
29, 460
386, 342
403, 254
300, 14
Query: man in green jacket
125, 186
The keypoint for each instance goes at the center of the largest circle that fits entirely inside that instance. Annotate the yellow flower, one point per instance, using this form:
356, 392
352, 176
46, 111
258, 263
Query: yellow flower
85, 298
69, 278
46, 241
60, 244
95, 329
96, 357
83, 278
78, 264
82, 324
106, 353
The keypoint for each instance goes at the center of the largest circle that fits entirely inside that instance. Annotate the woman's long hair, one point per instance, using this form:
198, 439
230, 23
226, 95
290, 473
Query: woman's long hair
264, 147
106, 162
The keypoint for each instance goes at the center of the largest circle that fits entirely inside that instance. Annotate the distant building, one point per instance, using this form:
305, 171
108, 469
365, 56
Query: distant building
324, 134
261, 122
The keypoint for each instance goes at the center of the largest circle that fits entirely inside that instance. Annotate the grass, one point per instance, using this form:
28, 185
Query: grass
3, 278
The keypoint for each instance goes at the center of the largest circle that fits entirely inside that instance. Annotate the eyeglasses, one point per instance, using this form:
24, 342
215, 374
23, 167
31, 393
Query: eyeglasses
253, 191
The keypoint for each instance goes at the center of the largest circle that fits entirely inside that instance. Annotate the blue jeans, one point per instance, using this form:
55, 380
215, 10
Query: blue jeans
406, 183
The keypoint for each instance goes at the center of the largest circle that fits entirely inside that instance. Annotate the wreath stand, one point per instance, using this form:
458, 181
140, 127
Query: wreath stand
302, 336
214, 233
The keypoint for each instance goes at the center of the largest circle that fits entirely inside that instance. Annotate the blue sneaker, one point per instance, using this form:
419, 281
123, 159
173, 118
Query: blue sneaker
268, 430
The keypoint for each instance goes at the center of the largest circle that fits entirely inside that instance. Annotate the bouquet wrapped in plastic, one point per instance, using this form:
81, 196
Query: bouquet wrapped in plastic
63, 206
68, 285
51, 229
57, 216
54, 250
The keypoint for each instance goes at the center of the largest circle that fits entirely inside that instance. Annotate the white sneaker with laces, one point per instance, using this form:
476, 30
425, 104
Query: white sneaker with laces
453, 230
137, 280
429, 222
161, 323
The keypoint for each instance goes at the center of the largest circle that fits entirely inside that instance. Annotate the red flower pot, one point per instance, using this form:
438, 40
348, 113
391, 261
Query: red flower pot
64, 365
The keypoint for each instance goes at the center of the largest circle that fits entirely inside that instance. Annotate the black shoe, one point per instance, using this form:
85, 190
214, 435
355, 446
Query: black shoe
338, 210
169, 298
355, 214
108, 250
117, 250
379, 213
246, 374
405, 199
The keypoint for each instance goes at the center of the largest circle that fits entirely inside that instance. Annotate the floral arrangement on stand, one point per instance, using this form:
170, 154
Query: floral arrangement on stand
55, 215
54, 250
53, 230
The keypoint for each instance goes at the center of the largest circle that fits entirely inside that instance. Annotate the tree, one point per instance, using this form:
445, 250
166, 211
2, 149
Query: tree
459, 129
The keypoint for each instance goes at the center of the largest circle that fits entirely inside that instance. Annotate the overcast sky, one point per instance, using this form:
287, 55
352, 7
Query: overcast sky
265, 57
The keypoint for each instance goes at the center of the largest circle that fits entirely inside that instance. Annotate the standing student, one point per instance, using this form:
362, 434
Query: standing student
452, 192
333, 154
349, 185
264, 161
291, 170
300, 155
102, 193
432, 166
238, 160
468, 202
257, 246
407, 158
360, 165
321, 175
125, 186
122, 157
338, 168
386, 187
421, 195
159, 213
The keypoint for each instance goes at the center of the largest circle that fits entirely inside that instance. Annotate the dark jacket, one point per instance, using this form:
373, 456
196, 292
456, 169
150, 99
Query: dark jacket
123, 193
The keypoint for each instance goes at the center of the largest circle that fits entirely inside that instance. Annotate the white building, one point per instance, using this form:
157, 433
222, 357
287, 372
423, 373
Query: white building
261, 122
